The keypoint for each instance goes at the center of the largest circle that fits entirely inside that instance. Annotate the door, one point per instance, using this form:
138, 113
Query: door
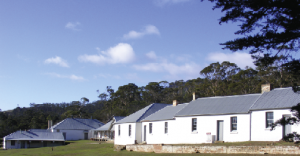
220, 124
65, 135
44, 143
145, 132
286, 129
22, 144
86, 136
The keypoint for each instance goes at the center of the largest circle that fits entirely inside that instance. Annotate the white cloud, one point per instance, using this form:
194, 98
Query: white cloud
108, 76
166, 2
57, 60
187, 69
148, 30
72, 26
121, 53
151, 55
72, 77
239, 58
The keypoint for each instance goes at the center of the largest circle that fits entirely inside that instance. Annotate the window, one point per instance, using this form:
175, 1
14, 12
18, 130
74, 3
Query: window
194, 124
129, 130
119, 130
233, 121
150, 128
269, 119
166, 127
12, 142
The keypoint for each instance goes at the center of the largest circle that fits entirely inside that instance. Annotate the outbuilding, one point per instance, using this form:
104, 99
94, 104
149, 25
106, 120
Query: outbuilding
33, 138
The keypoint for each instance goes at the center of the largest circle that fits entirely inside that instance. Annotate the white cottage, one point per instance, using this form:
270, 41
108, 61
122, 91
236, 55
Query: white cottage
129, 129
271, 106
205, 120
107, 131
33, 138
75, 128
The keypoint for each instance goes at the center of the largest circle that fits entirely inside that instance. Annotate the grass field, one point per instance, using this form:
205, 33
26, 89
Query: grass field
82, 147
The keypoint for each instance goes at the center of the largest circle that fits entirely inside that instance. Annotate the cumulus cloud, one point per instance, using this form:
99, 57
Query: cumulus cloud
167, 2
239, 58
72, 26
72, 77
57, 60
151, 55
148, 30
121, 53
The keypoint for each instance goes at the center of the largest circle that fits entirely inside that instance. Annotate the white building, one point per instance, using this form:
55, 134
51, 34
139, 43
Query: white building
129, 129
107, 131
75, 128
33, 138
270, 107
225, 118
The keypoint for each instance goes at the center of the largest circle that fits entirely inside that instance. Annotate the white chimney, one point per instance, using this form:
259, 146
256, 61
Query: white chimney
194, 96
175, 103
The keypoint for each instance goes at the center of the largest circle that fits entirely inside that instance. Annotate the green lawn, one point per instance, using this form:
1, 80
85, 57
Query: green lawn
78, 148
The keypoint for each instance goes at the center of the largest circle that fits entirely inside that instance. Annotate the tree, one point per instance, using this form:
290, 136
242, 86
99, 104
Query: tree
269, 26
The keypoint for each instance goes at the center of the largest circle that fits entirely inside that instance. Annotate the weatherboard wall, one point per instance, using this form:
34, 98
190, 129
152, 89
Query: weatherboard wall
259, 132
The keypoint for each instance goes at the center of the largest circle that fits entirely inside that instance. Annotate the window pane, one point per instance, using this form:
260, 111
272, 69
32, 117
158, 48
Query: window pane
194, 124
233, 123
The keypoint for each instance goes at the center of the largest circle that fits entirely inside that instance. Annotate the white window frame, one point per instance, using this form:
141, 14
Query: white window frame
194, 124
150, 128
129, 130
271, 121
166, 128
233, 123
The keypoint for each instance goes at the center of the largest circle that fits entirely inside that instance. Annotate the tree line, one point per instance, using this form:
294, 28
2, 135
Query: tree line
217, 79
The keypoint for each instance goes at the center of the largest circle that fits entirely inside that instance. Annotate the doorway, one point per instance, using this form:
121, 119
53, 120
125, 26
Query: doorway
286, 129
22, 144
86, 136
220, 125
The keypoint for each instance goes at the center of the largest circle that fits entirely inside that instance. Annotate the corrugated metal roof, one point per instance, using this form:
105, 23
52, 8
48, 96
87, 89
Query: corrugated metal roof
109, 124
118, 118
166, 113
105, 127
143, 113
82, 124
36, 135
277, 98
219, 105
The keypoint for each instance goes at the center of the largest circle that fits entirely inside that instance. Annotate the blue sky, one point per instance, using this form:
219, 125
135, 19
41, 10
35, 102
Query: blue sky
60, 51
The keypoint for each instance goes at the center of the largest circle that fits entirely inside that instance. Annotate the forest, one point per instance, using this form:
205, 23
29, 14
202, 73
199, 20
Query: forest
217, 79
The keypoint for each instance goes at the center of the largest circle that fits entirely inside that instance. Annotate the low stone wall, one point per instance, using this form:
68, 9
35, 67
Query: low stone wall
215, 149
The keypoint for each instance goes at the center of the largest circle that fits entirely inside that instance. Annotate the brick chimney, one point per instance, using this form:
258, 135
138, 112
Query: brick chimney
266, 87
194, 96
175, 103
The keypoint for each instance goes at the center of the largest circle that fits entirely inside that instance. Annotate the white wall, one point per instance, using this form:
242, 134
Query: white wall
180, 129
138, 134
16, 146
259, 132
124, 138
74, 134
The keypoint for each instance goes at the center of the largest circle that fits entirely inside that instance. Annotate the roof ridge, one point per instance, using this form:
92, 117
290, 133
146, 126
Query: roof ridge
157, 111
83, 123
180, 109
145, 112
228, 96
59, 123
255, 101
